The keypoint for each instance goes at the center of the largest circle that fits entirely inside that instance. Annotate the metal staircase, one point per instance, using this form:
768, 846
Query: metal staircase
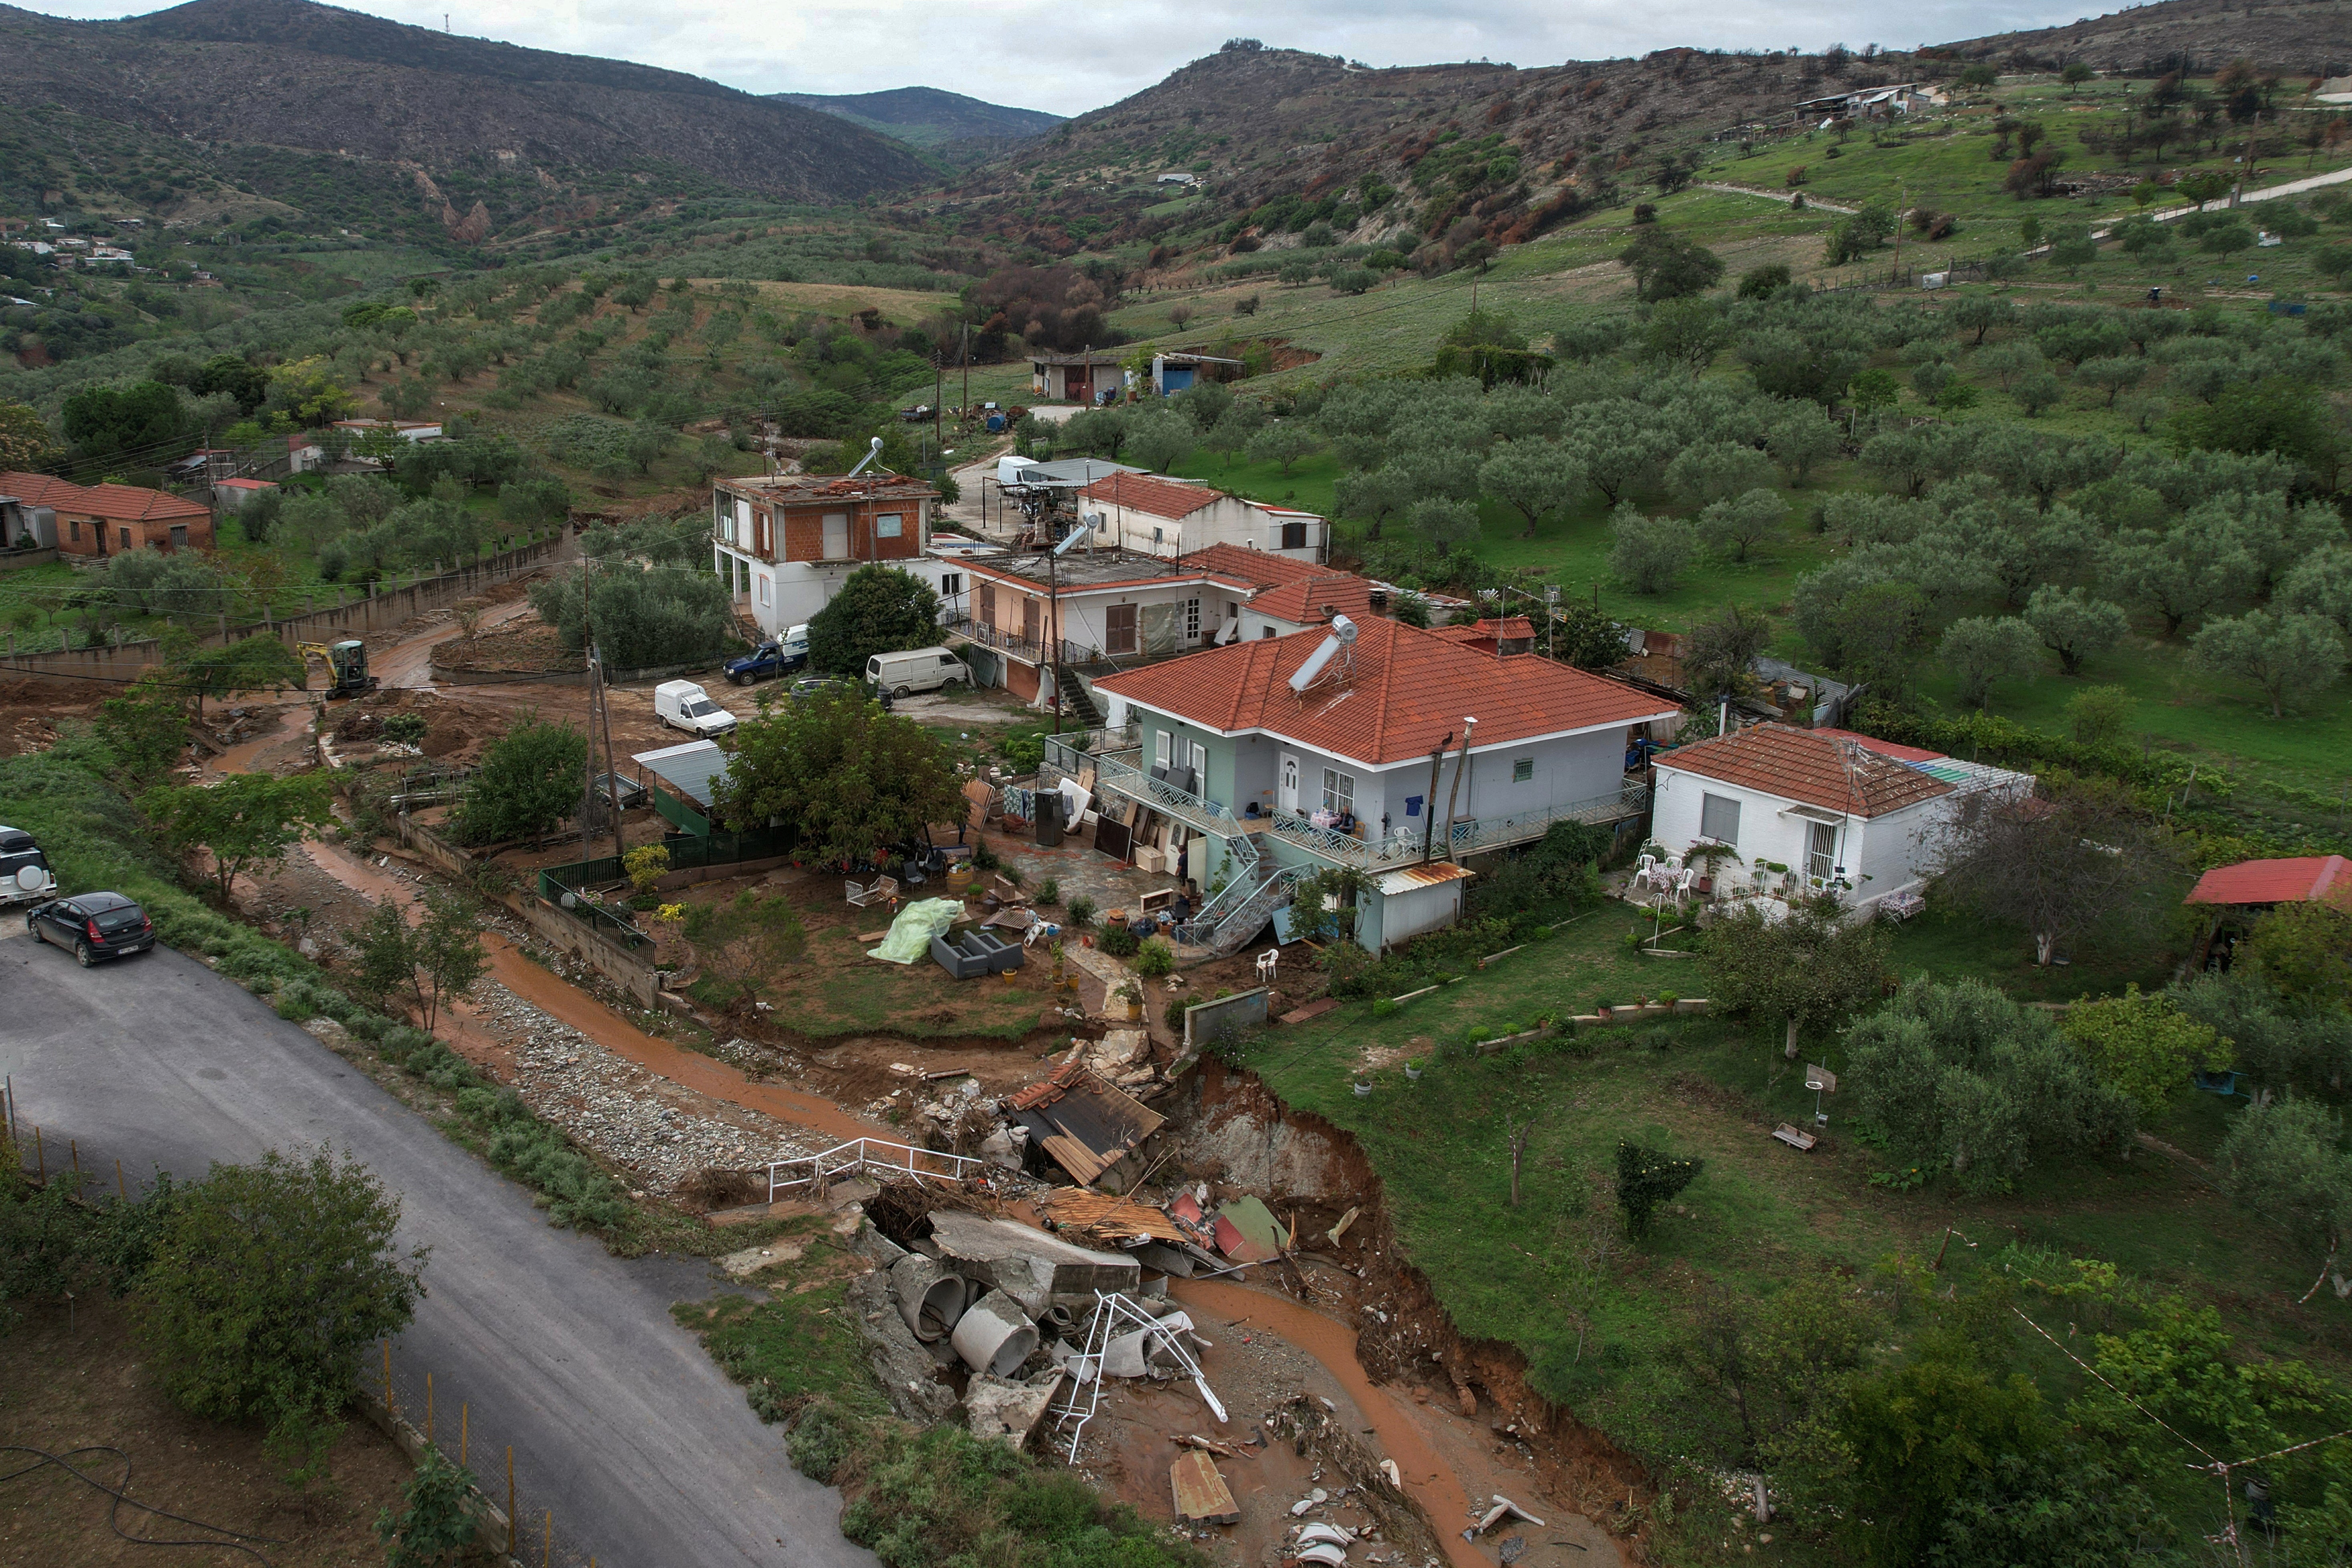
1228, 921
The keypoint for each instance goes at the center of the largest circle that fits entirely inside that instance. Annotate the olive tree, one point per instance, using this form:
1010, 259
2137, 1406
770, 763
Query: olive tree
1649, 553
2074, 626
1810, 971
1980, 649
2274, 653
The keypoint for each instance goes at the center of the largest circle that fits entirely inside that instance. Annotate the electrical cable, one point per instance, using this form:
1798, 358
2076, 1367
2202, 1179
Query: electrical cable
229, 1539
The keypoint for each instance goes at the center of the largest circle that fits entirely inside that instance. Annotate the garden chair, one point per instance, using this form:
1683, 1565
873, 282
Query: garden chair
1267, 962
881, 890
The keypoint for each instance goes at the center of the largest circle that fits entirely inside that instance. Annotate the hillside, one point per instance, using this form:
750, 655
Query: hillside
2301, 38
289, 74
927, 117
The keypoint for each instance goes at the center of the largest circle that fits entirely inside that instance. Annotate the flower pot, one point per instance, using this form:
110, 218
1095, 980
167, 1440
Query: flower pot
1413, 1073
1362, 1089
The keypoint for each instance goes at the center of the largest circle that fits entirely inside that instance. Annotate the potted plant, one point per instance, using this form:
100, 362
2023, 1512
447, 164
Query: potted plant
1601, 1009
1362, 1088
1412, 1067
1130, 998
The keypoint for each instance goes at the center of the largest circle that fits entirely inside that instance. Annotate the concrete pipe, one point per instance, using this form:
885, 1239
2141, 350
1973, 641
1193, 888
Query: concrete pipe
931, 1296
994, 1335
1056, 1322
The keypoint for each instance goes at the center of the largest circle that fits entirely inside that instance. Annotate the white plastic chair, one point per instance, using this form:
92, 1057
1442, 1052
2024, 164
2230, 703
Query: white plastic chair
1266, 964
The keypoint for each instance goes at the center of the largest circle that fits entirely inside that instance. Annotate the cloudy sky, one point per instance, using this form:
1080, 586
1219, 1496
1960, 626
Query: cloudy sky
1067, 58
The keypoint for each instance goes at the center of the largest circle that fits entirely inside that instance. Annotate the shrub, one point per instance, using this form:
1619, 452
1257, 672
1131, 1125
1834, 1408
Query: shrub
1049, 891
1080, 913
1119, 941
1155, 957
1647, 1178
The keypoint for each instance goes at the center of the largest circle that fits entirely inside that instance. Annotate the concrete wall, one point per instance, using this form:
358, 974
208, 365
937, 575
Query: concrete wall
631, 973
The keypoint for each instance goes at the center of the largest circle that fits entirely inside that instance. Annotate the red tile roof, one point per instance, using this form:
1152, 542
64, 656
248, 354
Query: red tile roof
1150, 494
2309, 879
126, 503
1303, 602
1814, 767
1260, 566
1409, 690
1900, 753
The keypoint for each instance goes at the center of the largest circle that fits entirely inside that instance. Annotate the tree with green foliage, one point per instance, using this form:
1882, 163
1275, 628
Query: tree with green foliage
1443, 522
851, 779
1808, 972
1923, 1434
1577, 632
2074, 626
1877, 633
2287, 1160
2303, 951
2274, 653
2143, 1046
530, 778
1738, 524
1763, 283
2111, 373
2036, 391
1962, 1078
879, 609
1533, 478
741, 942
1859, 232
642, 619
244, 822
1160, 438
145, 729
1648, 1177
1979, 650
1649, 554
1708, 471
1282, 442
1800, 436
2278, 414
1669, 266
1687, 331
1979, 312
267, 1283
26, 442
142, 420
2100, 715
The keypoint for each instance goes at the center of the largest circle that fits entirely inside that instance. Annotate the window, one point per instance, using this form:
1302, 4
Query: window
950, 584
179, 536
890, 525
1159, 747
126, 537
1028, 620
765, 581
1339, 792
1523, 769
988, 603
1192, 620
1719, 818
1200, 768
1120, 634
1294, 536
1265, 632
73, 531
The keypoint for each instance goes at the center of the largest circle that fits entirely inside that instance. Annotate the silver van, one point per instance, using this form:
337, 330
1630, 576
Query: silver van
916, 670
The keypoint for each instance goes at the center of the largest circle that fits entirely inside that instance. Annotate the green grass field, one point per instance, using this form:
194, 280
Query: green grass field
1597, 1320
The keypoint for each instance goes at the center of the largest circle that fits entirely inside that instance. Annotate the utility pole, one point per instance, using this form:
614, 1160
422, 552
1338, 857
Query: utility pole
1461, 763
612, 767
1051, 653
939, 395
588, 779
1429, 806
967, 370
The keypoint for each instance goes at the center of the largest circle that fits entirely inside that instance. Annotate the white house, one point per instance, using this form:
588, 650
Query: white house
1808, 811
785, 543
1171, 518
1402, 755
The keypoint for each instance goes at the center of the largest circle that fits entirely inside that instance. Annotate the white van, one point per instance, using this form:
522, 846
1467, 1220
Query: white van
1008, 470
916, 670
683, 705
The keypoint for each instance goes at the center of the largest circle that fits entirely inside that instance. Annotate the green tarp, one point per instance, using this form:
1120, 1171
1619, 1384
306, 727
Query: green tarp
911, 932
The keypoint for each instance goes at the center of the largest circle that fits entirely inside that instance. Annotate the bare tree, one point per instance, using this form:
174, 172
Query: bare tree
2062, 865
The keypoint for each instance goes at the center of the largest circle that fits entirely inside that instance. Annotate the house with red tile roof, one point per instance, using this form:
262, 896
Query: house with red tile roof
1174, 518
1095, 610
1808, 811
109, 519
1401, 749
2263, 884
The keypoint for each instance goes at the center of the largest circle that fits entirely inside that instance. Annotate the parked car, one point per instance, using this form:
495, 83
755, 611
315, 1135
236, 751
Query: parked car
916, 670
93, 925
777, 655
24, 872
683, 705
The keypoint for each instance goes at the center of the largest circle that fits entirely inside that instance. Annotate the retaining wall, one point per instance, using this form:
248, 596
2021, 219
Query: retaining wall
622, 968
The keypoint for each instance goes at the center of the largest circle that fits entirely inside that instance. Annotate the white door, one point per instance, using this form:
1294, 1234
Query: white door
1200, 770
836, 536
1285, 794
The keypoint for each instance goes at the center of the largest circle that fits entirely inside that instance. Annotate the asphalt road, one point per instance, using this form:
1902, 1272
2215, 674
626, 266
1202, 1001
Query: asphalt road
620, 1424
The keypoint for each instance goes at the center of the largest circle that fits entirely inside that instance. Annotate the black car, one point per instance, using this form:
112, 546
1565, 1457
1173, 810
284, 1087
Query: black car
94, 925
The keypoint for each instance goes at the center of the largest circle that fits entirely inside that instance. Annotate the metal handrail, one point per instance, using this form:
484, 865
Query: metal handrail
1469, 835
859, 1155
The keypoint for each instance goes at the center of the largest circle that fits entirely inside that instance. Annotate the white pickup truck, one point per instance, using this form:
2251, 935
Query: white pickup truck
683, 705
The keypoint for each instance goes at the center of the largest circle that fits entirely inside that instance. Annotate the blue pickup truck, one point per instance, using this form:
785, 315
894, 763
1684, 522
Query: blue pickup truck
775, 657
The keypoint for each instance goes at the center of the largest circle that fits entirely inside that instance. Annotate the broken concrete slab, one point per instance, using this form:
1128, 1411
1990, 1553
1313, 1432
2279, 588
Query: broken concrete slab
751, 1259
1146, 1353
908, 1374
1165, 1259
1025, 1262
1201, 1495
1008, 1411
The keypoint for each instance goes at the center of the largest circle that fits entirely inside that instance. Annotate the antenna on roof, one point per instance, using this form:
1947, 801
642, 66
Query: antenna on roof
1342, 637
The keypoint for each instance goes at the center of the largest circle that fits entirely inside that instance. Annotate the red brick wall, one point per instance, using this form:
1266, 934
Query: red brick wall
803, 533
155, 533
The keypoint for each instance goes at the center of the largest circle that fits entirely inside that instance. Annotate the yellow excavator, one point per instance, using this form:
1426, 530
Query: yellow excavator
346, 662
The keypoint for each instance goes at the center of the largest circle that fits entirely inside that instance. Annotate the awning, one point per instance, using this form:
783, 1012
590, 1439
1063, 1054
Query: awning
692, 770
1428, 873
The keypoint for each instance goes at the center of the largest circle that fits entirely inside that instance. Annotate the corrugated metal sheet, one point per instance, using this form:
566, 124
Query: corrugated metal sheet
1428, 873
692, 769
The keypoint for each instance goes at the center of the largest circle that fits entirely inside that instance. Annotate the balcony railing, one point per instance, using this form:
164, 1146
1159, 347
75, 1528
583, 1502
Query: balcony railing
1027, 649
1470, 834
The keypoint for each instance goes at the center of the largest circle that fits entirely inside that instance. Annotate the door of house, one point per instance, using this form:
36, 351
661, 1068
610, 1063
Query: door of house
1820, 852
1029, 621
836, 536
1286, 793
1200, 770
1119, 628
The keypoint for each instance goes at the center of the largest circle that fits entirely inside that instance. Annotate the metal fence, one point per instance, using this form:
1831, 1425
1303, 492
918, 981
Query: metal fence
571, 888
861, 1156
